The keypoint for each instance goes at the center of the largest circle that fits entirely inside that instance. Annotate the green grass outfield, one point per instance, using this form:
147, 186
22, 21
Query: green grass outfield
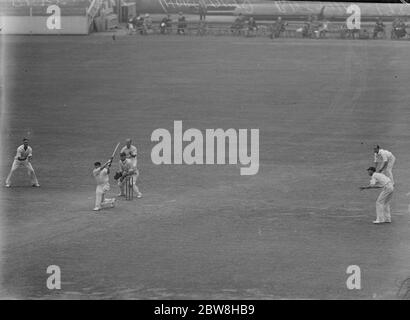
289, 232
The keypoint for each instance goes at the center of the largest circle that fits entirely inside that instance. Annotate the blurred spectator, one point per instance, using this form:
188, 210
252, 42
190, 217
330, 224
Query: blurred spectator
398, 29
131, 24
238, 24
307, 30
166, 25
344, 31
139, 25
379, 28
364, 34
252, 27
277, 28
147, 24
202, 8
321, 29
347, 33
181, 24
202, 28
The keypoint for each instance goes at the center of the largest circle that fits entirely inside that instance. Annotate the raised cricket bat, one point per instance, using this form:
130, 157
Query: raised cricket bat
115, 151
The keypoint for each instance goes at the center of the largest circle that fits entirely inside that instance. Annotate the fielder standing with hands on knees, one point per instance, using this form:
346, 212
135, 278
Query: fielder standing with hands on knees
23, 160
387, 160
379, 180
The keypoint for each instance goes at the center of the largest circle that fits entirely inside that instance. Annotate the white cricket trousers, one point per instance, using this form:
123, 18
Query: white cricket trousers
100, 200
383, 203
22, 164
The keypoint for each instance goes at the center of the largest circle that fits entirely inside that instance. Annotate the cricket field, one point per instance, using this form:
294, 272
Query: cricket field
204, 231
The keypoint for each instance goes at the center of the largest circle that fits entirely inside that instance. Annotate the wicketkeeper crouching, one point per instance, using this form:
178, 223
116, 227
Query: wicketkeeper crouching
127, 168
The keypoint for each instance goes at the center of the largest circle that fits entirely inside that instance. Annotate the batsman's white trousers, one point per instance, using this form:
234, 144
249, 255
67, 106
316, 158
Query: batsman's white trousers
22, 164
389, 169
99, 196
383, 203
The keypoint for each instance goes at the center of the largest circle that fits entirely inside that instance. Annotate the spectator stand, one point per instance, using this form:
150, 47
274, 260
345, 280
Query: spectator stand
227, 26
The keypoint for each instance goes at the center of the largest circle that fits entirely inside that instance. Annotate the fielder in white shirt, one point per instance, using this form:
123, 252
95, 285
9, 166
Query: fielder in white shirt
130, 151
387, 159
101, 175
379, 180
22, 160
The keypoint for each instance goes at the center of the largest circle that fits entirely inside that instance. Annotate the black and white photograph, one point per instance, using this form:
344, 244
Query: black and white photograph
204, 150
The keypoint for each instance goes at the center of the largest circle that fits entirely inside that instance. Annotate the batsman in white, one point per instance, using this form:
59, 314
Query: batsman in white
379, 180
127, 168
387, 160
101, 175
23, 160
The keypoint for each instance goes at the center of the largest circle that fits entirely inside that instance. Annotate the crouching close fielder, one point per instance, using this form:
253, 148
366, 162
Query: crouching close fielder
101, 174
23, 160
128, 168
379, 180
